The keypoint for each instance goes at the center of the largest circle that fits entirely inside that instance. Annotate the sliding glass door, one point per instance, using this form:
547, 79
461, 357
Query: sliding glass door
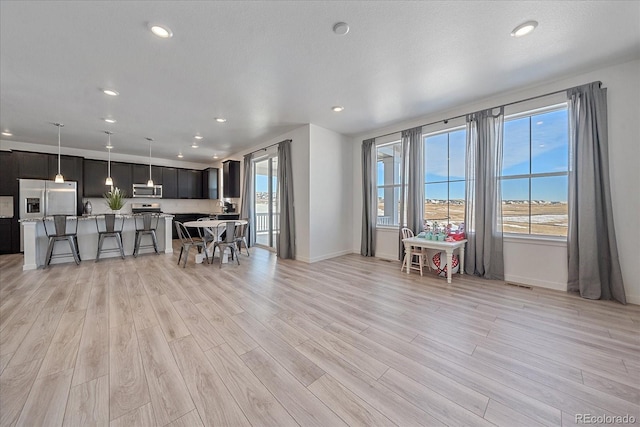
267, 215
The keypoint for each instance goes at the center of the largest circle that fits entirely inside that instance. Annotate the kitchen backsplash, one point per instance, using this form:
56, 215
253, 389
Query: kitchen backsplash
98, 205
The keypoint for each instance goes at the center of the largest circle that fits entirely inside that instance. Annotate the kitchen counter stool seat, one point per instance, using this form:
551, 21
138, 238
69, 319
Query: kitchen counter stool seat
60, 233
110, 228
146, 224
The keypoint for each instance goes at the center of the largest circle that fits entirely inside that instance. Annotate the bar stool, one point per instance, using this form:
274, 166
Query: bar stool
146, 224
61, 233
110, 228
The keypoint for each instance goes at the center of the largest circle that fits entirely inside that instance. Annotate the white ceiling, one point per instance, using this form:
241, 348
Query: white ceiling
268, 67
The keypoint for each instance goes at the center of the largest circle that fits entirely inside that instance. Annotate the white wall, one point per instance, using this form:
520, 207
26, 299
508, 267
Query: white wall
330, 194
623, 84
300, 164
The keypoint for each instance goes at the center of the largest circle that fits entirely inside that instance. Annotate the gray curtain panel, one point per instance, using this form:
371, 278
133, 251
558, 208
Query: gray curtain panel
412, 203
369, 198
248, 196
483, 199
286, 243
594, 269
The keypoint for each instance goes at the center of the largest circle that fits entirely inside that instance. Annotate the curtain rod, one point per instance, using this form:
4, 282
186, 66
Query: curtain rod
498, 106
267, 147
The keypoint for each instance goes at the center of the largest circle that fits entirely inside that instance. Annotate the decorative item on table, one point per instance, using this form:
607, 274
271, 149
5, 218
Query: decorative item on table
87, 208
115, 199
422, 235
439, 264
457, 235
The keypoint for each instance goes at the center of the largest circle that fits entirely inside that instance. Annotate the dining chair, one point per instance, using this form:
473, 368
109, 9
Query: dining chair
62, 232
241, 235
110, 227
203, 233
409, 256
226, 242
187, 242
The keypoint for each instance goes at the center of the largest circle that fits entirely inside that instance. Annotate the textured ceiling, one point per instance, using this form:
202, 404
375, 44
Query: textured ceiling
268, 67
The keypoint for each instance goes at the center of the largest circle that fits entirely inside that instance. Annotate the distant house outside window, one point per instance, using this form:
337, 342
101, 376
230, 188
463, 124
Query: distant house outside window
389, 163
444, 189
535, 172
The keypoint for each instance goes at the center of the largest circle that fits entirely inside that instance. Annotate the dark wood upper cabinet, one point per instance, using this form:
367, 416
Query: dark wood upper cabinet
210, 183
140, 174
8, 174
121, 174
189, 184
33, 165
95, 172
231, 179
70, 167
169, 183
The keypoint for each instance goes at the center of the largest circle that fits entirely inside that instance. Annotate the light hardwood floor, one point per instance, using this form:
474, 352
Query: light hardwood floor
347, 341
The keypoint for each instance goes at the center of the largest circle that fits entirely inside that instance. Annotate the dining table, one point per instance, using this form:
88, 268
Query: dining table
210, 226
447, 247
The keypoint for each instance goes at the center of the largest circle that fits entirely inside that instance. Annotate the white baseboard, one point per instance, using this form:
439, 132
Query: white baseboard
536, 282
633, 299
325, 256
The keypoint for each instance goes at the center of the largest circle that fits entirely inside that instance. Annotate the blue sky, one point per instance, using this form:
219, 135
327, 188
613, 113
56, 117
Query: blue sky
539, 143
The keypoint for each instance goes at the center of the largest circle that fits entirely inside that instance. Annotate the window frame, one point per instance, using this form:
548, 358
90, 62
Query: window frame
378, 145
559, 106
448, 181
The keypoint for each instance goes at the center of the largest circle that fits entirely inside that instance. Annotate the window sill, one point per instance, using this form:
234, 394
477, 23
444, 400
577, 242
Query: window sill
387, 228
536, 240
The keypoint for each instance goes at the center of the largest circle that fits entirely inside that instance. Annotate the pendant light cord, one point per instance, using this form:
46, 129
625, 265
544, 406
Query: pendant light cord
58, 124
149, 160
109, 171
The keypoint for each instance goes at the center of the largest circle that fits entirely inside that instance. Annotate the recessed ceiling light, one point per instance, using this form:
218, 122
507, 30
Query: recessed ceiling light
7, 133
180, 155
220, 120
524, 29
198, 137
162, 32
337, 108
341, 28
108, 120
215, 156
194, 145
110, 92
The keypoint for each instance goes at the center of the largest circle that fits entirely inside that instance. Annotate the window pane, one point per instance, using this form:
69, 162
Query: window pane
456, 204
515, 205
549, 142
549, 210
515, 157
388, 164
435, 155
388, 205
457, 151
436, 207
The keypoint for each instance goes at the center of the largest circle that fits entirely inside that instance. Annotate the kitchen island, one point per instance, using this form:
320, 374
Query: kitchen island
36, 240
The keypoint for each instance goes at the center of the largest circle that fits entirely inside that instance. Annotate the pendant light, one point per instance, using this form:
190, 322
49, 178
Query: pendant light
109, 181
150, 182
59, 178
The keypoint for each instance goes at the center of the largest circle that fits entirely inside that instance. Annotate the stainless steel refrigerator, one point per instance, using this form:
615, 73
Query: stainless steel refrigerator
39, 198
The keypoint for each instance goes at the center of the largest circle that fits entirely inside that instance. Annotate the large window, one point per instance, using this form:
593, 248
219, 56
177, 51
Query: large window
444, 157
535, 172
389, 163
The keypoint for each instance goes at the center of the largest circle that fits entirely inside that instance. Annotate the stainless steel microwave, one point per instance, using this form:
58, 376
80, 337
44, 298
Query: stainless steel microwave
141, 190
